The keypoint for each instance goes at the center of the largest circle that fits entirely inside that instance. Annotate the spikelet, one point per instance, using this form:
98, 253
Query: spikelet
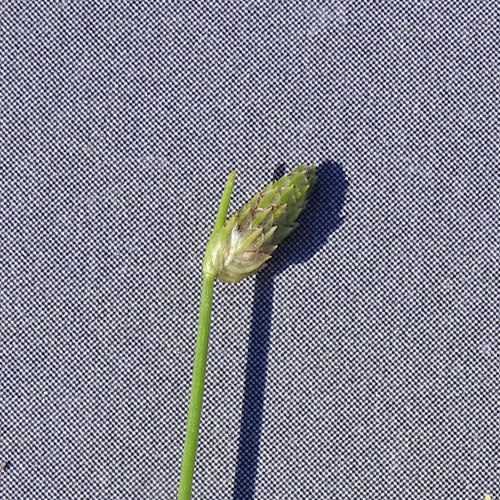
247, 240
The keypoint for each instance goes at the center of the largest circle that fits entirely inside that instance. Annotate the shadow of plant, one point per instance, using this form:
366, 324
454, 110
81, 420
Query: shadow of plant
319, 220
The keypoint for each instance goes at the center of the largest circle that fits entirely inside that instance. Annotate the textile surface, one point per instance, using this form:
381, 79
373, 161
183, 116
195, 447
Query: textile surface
363, 361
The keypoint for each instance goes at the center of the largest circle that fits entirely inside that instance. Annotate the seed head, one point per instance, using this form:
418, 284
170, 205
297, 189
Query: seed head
246, 241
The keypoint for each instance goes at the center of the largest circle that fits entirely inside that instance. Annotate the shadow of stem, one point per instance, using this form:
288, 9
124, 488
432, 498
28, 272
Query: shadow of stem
319, 220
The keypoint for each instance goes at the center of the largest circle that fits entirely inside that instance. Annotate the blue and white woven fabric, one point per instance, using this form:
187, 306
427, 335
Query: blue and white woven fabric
363, 362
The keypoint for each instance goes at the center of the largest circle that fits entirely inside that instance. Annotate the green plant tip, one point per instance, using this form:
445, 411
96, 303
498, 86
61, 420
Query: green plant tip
243, 244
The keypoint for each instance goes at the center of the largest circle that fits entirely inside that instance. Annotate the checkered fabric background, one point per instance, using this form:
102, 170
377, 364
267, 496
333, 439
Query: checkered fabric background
363, 362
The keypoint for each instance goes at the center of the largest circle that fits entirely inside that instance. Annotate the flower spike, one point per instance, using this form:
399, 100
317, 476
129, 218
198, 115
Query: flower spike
243, 244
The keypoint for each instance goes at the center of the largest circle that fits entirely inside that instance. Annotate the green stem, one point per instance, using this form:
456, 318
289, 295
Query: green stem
195, 402
200, 356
